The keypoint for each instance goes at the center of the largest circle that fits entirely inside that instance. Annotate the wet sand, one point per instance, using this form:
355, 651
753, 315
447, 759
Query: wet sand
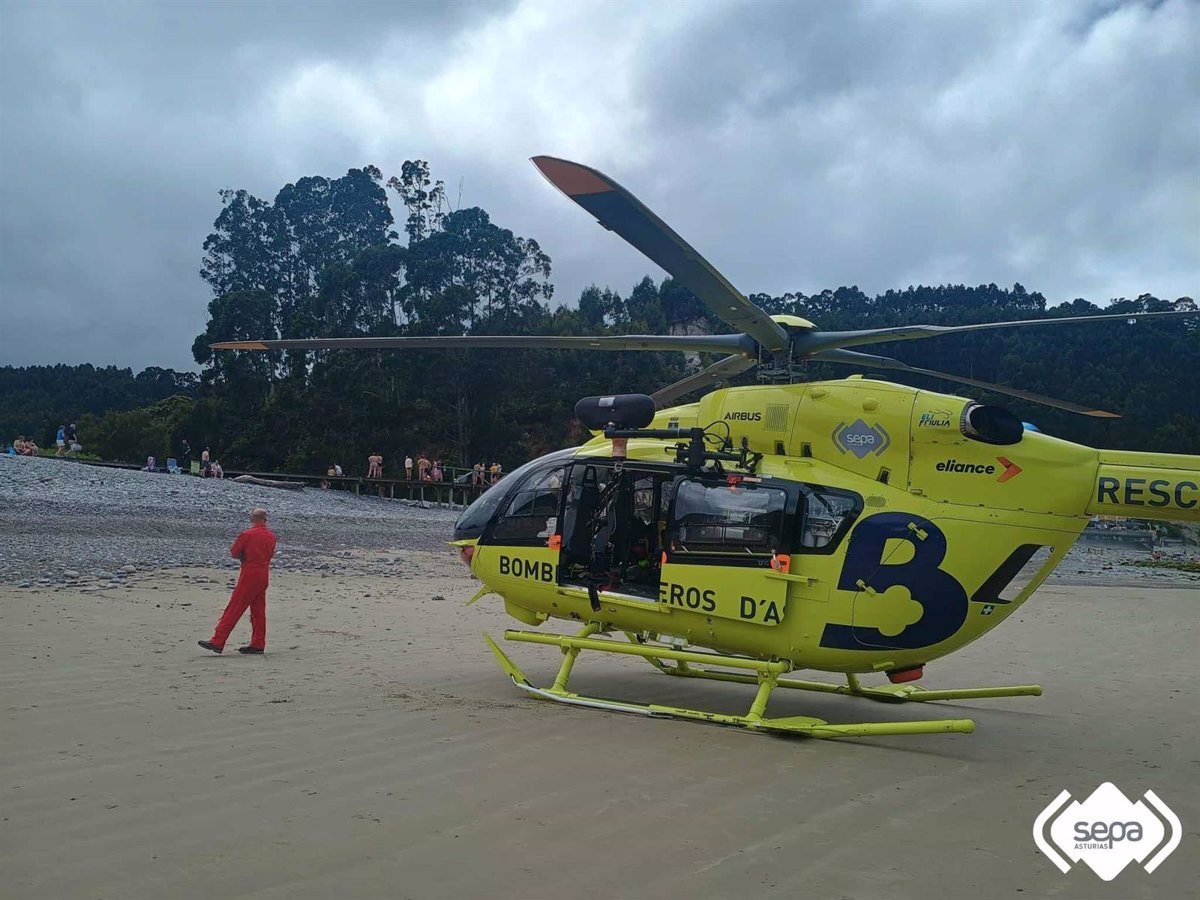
377, 751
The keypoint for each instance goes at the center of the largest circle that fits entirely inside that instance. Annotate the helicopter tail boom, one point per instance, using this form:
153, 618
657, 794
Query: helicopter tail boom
1147, 486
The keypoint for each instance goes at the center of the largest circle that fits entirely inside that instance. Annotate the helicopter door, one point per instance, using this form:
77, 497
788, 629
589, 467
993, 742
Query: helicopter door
613, 521
723, 539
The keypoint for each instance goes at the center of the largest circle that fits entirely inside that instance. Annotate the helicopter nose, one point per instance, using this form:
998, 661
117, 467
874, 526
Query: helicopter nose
466, 554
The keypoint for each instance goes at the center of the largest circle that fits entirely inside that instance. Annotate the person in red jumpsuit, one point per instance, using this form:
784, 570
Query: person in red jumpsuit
254, 547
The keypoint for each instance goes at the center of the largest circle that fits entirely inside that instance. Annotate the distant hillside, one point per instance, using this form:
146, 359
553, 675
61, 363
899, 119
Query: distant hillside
35, 400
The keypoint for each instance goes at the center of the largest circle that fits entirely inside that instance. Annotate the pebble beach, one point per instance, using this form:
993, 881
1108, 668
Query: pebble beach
64, 523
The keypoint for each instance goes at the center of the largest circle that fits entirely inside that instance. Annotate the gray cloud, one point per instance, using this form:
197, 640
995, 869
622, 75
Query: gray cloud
798, 145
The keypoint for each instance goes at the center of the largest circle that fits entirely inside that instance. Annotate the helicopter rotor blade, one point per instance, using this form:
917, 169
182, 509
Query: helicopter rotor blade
725, 368
817, 341
714, 343
866, 360
619, 211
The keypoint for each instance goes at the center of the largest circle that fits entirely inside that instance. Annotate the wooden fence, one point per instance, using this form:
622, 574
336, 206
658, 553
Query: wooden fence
440, 493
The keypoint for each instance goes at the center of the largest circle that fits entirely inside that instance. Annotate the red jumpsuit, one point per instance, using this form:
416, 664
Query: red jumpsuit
254, 547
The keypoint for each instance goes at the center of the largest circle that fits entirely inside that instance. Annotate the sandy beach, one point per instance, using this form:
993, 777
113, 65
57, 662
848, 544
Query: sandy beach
377, 751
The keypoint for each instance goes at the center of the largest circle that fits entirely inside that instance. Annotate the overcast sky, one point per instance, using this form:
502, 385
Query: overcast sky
798, 146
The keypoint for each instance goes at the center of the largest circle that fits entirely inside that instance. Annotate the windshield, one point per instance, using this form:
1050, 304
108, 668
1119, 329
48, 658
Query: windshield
476, 516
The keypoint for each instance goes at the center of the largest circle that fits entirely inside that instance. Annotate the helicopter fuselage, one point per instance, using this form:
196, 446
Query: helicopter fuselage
878, 532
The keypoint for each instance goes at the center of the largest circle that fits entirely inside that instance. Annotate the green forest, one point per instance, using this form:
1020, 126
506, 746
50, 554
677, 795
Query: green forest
326, 258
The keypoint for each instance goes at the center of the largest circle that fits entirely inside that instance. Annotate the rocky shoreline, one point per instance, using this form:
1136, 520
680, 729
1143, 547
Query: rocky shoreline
64, 523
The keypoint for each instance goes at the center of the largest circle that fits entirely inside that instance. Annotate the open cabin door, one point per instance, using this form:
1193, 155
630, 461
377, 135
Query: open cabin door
613, 525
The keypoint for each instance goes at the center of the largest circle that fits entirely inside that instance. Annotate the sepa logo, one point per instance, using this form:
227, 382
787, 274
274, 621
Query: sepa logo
861, 439
1107, 831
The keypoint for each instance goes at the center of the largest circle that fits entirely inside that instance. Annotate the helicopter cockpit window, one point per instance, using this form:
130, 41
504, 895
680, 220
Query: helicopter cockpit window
739, 518
478, 516
531, 516
827, 516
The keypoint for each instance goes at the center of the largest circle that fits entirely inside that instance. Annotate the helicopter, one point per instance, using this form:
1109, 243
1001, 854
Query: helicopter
857, 527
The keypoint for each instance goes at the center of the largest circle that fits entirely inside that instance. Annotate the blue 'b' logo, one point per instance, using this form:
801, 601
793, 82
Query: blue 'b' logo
943, 600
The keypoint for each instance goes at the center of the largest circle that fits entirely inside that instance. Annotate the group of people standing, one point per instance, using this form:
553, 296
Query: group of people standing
209, 467
425, 469
481, 474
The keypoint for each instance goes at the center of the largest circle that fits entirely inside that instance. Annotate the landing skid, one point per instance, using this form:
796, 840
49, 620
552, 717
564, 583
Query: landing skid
766, 675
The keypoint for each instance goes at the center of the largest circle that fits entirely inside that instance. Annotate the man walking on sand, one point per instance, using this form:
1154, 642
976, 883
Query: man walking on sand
254, 547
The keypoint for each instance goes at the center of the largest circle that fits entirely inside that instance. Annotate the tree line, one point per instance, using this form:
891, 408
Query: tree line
324, 258
35, 400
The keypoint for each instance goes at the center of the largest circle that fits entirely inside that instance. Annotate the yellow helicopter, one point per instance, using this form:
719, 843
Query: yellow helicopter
855, 526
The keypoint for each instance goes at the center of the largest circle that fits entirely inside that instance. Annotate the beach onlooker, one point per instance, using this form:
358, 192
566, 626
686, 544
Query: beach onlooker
206, 464
217, 471
477, 473
337, 470
422, 468
495, 472
61, 440
254, 547
408, 467
436, 472
375, 465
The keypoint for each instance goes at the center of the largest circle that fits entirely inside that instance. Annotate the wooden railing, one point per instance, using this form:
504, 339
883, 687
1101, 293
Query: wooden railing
439, 492
447, 493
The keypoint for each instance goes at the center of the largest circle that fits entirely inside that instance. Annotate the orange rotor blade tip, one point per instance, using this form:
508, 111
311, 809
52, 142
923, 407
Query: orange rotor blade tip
570, 178
238, 345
